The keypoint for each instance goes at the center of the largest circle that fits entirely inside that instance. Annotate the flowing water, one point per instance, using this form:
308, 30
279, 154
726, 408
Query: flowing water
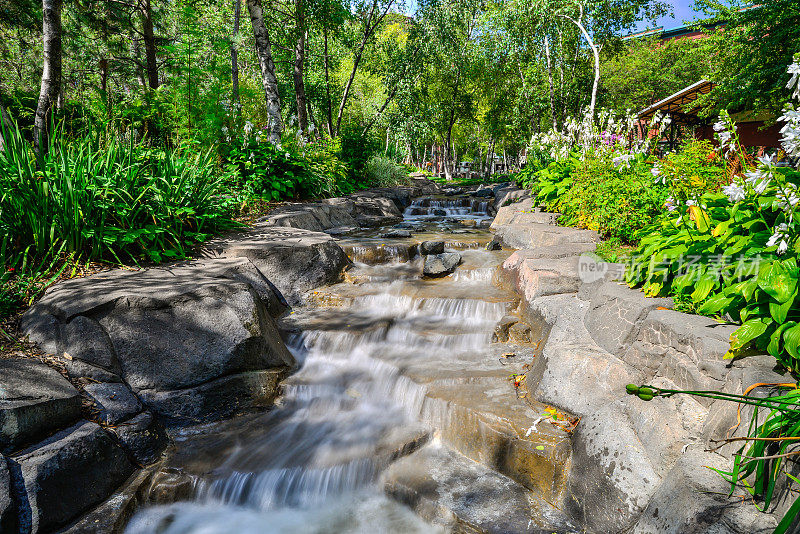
313, 463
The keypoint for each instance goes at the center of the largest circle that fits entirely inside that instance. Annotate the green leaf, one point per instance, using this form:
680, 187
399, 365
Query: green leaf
748, 332
791, 340
775, 339
715, 304
777, 281
780, 311
703, 287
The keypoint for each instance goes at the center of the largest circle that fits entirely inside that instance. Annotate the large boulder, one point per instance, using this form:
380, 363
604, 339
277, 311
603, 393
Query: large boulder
437, 265
65, 475
34, 401
8, 512
167, 330
431, 247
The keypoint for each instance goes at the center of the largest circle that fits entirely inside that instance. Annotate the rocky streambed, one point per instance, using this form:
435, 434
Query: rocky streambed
376, 363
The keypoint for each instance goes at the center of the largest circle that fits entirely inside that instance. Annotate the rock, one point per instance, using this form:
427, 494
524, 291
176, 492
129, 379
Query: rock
113, 402
396, 234
611, 479
86, 341
483, 193
439, 212
616, 313
449, 490
431, 247
143, 437
693, 498
216, 399
175, 328
500, 334
8, 512
494, 244
65, 475
113, 514
520, 333
536, 277
340, 230
295, 260
34, 401
437, 265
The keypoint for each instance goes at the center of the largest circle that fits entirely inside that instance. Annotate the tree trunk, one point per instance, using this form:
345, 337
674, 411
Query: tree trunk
149, 44
550, 80
268, 79
595, 52
51, 74
237, 12
328, 83
297, 72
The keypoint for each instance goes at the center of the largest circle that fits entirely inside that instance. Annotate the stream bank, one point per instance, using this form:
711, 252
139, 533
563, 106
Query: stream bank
403, 384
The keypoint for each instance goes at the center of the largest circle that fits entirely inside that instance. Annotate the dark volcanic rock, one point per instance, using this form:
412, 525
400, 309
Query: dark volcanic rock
431, 247
483, 193
68, 473
34, 401
437, 265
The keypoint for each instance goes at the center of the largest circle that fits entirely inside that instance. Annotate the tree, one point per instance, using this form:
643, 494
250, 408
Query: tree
51, 74
752, 50
268, 79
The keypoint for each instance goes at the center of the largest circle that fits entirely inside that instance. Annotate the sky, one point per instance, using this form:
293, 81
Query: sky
682, 12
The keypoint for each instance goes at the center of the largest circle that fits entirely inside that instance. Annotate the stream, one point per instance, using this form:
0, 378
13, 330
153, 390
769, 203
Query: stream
313, 463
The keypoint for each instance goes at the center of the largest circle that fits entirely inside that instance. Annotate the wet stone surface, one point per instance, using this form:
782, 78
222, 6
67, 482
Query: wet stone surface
390, 359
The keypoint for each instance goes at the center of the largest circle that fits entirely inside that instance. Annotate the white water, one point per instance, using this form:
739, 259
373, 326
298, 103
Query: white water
312, 465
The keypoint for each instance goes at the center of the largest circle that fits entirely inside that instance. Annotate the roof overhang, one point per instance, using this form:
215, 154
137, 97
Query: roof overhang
678, 105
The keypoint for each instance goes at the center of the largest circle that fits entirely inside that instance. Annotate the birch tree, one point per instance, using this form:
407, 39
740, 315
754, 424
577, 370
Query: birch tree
51, 73
267, 65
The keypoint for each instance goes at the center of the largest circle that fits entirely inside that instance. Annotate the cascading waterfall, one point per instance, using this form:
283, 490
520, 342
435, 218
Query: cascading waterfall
312, 463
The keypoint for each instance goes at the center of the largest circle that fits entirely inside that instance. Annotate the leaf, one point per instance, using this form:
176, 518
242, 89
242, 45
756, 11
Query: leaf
747, 333
715, 304
777, 282
703, 287
791, 340
775, 339
780, 311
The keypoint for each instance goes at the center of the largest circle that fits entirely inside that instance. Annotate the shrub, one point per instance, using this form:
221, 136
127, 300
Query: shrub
106, 201
382, 172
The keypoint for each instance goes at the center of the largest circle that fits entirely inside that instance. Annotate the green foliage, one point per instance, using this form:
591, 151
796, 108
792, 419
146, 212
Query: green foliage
106, 201
383, 172
356, 151
594, 193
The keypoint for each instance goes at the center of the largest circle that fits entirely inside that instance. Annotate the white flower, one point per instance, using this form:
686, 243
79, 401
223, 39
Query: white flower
248, 127
780, 238
794, 81
761, 186
691, 202
719, 126
735, 192
670, 204
623, 160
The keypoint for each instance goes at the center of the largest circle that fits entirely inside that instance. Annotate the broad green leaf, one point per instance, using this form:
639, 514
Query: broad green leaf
715, 304
747, 333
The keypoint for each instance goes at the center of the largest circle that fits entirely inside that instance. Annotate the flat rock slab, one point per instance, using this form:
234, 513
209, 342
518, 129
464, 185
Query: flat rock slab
537, 277
437, 265
63, 476
446, 488
484, 420
112, 402
294, 259
35, 401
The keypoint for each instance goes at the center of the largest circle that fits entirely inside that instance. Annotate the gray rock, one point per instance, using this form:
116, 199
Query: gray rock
611, 479
483, 193
211, 331
693, 498
463, 496
8, 512
437, 265
431, 247
216, 399
143, 437
34, 401
295, 260
85, 340
112, 403
396, 234
63, 476
439, 212
500, 334
494, 244
536, 277
616, 314
520, 333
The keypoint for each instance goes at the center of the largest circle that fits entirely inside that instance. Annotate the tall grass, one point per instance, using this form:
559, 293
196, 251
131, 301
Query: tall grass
86, 199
